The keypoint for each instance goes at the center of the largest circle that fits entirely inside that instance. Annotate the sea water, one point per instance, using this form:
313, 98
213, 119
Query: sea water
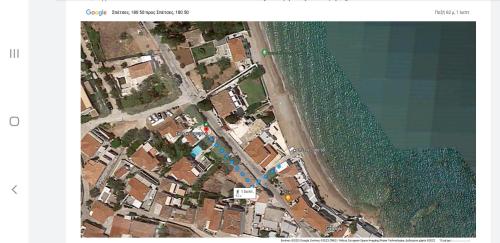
384, 153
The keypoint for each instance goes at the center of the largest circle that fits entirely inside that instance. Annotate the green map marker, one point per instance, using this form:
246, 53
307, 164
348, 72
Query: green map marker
264, 52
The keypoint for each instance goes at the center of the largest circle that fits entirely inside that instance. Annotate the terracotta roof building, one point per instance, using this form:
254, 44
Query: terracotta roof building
208, 217
292, 187
89, 145
92, 231
223, 103
120, 227
142, 229
182, 170
302, 212
215, 220
261, 154
92, 170
170, 129
120, 172
137, 189
232, 221
141, 69
100, 212
144, 160
237, 49
290, 171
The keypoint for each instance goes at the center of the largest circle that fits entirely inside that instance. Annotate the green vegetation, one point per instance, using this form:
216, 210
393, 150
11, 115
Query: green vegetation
82, 54
118, 188
207, 83
205, 105
353, 227
117, 142
253, 108
254, 90
95, 42
85, 118
156, 90
264, 233
104, 69
203, 51
171, 34
233, 118
130, 175
85, 66
133, 147
201, 68
94, 192
99, 98
218, 30
224, 63
268, 117
256, 73
135, 135
115, 184
193, 112
175, 151
150, 89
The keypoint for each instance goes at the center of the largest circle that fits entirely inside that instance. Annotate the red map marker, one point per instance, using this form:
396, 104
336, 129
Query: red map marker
205, 127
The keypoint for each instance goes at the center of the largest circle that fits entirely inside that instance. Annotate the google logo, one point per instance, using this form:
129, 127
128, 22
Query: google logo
94, 12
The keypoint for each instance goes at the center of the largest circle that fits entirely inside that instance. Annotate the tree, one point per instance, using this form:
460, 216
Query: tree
116, 184
124, 64
207, 83
105, 69
85, 118
256, 73
88, 203
201, 68
205, 105
133, 147
268, 118
94, 192
232, 118
117, 142
224, 63
353, 227
253, 108
129, 137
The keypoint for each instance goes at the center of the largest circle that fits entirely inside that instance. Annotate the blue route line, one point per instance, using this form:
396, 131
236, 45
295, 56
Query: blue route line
236, 168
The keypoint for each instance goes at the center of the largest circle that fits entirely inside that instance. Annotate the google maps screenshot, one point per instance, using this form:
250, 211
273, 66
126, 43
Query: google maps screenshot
266, 121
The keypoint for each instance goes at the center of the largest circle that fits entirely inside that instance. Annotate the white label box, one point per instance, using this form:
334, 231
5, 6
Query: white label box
244, 193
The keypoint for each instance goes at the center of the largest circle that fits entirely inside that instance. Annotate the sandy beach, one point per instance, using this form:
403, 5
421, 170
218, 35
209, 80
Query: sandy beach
293, 127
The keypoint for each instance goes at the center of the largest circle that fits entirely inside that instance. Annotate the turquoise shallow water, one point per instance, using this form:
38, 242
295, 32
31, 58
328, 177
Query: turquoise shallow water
421, 187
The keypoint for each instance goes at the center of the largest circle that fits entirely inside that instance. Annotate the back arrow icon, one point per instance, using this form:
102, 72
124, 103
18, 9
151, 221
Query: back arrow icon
14, 189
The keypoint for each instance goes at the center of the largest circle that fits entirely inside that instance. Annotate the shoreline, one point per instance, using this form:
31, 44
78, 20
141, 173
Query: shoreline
295, 130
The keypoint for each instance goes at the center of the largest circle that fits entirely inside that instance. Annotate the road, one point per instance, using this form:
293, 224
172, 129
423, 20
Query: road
118, 115
253, 168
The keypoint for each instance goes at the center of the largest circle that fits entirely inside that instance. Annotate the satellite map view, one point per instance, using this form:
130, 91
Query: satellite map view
278, 129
